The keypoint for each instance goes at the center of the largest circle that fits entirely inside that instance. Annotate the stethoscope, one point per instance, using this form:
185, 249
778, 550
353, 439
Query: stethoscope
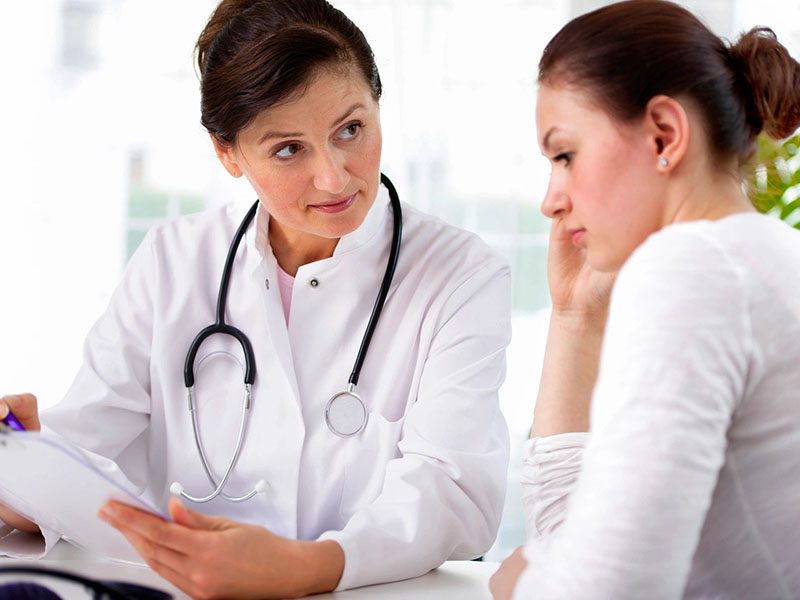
101, 590
346, 414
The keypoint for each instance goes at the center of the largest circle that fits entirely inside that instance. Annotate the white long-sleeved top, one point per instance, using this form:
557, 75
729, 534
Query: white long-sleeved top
423, 483
688, 485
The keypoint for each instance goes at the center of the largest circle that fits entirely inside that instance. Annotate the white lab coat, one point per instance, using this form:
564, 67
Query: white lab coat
423, 483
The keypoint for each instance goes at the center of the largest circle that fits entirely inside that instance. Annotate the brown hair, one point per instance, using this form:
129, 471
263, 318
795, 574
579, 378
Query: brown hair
627, 53
254, 54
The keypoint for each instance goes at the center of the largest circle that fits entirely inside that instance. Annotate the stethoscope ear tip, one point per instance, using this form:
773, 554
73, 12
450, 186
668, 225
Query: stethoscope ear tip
176, 488
261, 486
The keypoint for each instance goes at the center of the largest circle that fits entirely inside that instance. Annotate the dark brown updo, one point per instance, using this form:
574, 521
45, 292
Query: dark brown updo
627, 53
254, 54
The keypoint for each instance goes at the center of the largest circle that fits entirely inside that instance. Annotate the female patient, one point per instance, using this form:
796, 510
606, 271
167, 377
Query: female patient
689, 483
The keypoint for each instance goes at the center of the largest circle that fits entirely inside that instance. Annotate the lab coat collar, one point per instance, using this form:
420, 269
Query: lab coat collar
369, 228
257, 238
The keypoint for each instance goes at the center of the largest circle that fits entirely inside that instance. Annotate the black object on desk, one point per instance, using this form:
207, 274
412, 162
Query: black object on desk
101, 590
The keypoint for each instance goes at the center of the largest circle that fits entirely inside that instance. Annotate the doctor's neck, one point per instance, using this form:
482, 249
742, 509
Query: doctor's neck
293, 248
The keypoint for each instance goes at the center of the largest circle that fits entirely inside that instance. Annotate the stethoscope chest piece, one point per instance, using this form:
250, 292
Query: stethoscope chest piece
345, 414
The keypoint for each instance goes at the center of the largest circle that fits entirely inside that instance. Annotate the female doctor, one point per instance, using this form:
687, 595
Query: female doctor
330, 490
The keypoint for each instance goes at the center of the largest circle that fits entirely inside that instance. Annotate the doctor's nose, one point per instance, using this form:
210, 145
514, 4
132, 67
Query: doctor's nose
330, 174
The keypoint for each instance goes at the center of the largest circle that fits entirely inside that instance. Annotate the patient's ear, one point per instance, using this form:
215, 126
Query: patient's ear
667, 126
227, 155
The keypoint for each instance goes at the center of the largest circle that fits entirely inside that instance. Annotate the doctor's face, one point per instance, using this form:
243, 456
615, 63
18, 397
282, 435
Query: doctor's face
314, 161
604, 183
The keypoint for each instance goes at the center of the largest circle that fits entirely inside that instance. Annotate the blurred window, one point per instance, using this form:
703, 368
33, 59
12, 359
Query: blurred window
95, 163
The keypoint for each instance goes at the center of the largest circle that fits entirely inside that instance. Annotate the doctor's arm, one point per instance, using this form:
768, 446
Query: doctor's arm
24, 408
110, 393
106, 411
215, 557
442, 498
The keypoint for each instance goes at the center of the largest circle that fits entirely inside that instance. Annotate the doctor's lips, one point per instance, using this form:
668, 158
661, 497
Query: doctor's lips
576, 235
337, 205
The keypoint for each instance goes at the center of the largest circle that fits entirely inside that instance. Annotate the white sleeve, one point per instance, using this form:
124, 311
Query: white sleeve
549, 473
19, 544
111, 391
673, 367
443, 497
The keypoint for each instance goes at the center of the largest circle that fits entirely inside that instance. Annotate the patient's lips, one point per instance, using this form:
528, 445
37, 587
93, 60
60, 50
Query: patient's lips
576, 235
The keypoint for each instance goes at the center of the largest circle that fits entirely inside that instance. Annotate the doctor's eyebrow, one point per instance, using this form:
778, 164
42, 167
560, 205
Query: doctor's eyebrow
347, 113
295, 134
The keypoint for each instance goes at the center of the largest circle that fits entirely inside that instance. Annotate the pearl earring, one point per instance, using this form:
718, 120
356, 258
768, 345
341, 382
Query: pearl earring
663, 161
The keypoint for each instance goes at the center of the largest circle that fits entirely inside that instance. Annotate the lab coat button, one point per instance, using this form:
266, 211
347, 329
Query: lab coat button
266, 282
314, 282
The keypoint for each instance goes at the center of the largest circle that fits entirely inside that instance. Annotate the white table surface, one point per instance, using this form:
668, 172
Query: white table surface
455, 580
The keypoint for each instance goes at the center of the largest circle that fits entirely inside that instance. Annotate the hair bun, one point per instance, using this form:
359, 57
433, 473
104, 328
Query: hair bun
222, 15
772, 78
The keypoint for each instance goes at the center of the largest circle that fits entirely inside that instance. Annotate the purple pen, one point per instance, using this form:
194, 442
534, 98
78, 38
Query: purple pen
13, 422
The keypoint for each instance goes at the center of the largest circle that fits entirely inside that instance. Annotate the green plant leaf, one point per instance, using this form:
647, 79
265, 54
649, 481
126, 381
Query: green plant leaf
788, 209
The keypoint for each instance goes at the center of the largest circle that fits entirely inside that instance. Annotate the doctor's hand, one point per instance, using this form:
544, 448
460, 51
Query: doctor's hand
504, 580
214, 557
24, 408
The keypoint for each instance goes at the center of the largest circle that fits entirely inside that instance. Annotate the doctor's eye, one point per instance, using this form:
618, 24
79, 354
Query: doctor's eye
288, 151
348, 132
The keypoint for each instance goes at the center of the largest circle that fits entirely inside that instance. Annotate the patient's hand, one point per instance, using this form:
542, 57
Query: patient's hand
575, 287
504, 580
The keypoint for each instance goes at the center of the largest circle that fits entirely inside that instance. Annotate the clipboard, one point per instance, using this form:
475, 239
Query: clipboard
56, 485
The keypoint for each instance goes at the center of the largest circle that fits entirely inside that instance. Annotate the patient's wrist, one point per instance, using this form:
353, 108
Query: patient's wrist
579, 322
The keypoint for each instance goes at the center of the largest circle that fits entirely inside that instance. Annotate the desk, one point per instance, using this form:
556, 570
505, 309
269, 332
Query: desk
455, 580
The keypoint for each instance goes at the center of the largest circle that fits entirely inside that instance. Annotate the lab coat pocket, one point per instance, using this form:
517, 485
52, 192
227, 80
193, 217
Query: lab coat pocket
367, 456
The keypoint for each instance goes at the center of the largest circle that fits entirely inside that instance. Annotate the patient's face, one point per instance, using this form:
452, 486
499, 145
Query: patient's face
604, 182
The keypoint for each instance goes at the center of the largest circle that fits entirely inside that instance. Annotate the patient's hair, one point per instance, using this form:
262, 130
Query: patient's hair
624, 54
255, 54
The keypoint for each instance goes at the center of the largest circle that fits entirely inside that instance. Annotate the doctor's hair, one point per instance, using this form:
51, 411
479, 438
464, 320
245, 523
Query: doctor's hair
624, 54
256, 54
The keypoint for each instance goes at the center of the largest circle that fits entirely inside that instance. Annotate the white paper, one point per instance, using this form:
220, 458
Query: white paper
55, 485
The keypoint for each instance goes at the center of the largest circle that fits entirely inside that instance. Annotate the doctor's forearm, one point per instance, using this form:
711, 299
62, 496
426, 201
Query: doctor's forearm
17, 521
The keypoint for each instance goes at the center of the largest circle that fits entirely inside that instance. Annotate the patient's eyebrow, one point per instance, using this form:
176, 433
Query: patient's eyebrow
546, 140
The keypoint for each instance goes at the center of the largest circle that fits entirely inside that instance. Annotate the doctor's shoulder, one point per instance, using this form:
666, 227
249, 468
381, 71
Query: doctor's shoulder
450, 276
177, 265
188, 242
443, 251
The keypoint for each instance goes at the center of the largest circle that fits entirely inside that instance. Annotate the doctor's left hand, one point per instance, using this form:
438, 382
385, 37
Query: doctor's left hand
214, 557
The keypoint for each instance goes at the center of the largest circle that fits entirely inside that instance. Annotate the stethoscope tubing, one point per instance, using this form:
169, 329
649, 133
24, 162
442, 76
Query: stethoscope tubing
220, 327
93, 584
391, 266
235, 457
